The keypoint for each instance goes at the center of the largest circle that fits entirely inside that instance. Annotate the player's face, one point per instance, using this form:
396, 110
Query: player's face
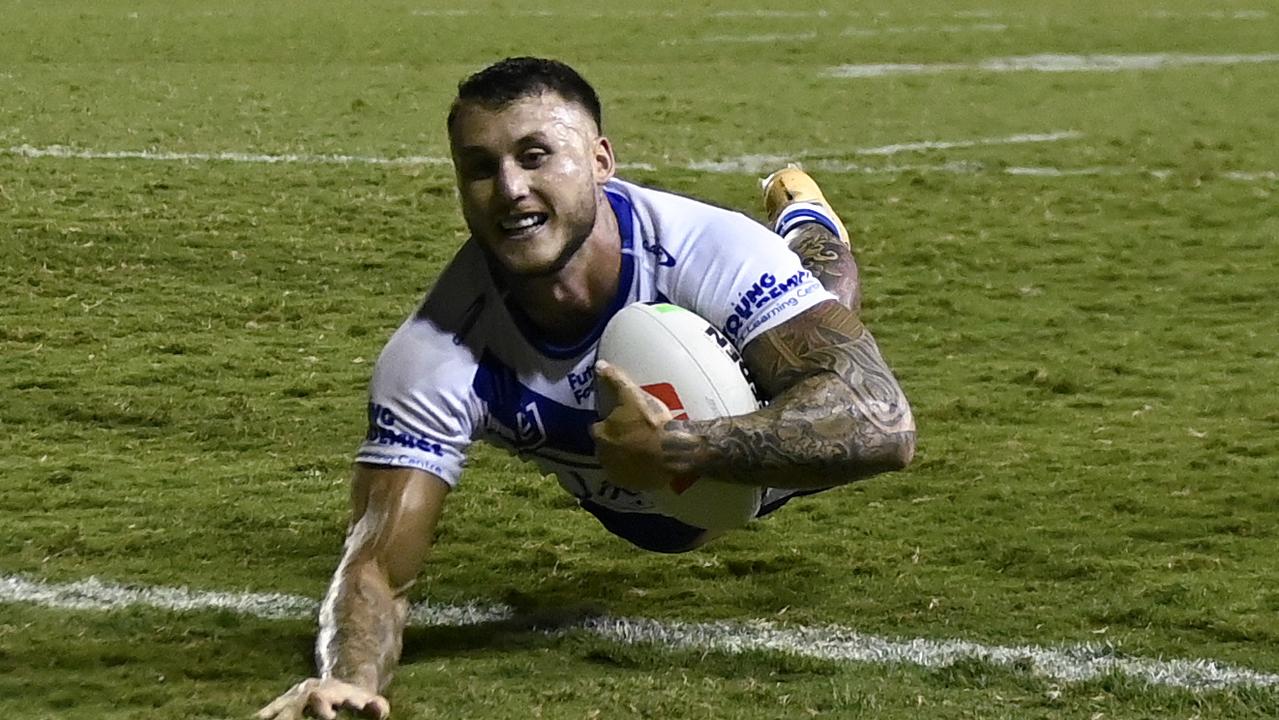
529, 175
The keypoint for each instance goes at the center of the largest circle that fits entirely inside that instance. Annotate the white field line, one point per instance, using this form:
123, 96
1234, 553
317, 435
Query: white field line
452, 12
755, 14
1040, 171
1209, 15
754, 164
740, 165
1066, 664
761, 39
916, 29
65, 152
1019, 139
765, 14
1160, 174
1050, 63
771, 14
1073, 663
62, 151
744, 164
1254, 176
809, 36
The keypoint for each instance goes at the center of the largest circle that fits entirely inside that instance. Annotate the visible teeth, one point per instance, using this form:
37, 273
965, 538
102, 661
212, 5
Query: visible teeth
522, 222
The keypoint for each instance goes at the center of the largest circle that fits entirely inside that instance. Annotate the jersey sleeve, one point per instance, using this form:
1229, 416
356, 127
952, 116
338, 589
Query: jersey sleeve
742, 277
423, 412
419, 414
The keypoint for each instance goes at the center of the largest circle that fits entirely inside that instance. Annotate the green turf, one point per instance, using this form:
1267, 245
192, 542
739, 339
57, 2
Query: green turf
185, 347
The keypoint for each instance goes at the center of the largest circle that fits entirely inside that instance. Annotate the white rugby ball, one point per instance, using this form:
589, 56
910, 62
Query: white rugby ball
682, 360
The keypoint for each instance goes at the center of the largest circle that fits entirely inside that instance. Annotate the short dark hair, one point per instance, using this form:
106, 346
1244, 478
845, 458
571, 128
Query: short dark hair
506, 81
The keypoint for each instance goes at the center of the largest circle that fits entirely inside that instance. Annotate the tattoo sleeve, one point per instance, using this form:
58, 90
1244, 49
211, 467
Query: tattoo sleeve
837, 413
830, 261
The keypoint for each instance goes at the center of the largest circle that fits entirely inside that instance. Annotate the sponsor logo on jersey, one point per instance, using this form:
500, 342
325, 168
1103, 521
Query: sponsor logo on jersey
664, 258
525, 420
763, 292
529, 429
390, 458
383, 431
583, 384
598, 490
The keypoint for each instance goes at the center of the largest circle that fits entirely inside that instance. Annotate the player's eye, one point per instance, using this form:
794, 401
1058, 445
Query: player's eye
533, 158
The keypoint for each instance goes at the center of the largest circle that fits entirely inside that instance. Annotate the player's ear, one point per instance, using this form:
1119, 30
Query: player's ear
605, 164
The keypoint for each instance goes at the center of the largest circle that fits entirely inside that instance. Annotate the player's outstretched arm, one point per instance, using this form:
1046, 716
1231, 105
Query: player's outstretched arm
837, 413
394, 512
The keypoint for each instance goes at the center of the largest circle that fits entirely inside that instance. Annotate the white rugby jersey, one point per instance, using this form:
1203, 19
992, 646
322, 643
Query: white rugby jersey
468, 365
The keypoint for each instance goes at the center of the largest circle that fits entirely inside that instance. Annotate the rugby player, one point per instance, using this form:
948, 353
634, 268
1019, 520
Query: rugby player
503, 349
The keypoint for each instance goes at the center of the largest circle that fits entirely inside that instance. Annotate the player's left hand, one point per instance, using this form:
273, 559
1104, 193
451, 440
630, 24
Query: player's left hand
629, 441
325, 698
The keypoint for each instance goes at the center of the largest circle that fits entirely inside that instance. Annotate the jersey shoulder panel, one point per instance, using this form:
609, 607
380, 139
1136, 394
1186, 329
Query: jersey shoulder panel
423, 412
721, 264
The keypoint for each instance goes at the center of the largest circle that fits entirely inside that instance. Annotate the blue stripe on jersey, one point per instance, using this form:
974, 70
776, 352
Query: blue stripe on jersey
625, 217
626, 228
531, 419
659, 533
795, 217
656, 533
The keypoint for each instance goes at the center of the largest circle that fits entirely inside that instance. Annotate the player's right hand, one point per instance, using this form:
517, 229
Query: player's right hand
628, 442
324, 698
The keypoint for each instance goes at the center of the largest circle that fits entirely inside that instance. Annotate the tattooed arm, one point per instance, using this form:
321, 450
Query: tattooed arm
362, 619
837, 413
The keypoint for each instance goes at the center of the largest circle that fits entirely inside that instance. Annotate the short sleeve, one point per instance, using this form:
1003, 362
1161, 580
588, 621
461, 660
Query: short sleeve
422, 410
422, 407
743, 278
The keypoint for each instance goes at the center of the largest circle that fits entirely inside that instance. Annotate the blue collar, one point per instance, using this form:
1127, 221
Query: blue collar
626, 226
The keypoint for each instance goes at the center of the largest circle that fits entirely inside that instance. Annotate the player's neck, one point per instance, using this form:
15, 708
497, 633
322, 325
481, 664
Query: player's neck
568, 305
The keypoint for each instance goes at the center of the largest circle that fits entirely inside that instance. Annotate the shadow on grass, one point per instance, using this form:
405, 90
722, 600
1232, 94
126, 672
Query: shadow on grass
529, 627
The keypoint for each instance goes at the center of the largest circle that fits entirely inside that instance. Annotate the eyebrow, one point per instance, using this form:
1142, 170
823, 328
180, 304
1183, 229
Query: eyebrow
536, 137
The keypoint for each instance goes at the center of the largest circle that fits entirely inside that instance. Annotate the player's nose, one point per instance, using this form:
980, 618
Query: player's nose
512, 180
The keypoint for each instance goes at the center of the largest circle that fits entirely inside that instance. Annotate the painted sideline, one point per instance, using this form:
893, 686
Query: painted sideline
746, 164
74, 153
812, 35
756, 164
64, 151
742, 164
1019, 139
833, 643
1050, 63
922, 29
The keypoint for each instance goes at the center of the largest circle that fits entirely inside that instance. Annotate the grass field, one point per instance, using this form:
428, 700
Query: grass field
1085, 322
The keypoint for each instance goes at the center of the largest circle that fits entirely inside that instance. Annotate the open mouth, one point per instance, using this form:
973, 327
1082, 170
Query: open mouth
523, 224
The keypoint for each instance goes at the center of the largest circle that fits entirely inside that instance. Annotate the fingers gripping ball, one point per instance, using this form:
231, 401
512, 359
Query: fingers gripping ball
679, 358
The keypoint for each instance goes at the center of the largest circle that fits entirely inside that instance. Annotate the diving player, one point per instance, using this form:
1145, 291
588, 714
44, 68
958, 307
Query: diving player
503, 350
